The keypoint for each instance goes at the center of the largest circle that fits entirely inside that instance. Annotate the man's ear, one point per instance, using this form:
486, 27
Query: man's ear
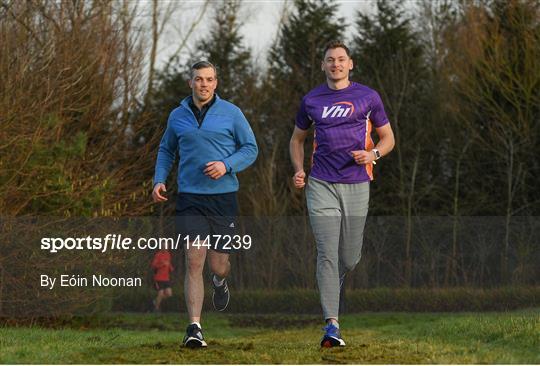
322, 65
190, 82
352, 65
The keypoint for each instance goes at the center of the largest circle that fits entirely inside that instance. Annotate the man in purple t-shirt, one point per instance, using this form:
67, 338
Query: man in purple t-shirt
337, 193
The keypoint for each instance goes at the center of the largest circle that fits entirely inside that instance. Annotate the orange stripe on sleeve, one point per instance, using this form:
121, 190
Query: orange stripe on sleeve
314, 147
368, 143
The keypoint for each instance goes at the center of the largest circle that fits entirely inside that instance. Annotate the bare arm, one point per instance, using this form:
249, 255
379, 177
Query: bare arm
296, 150
386, 139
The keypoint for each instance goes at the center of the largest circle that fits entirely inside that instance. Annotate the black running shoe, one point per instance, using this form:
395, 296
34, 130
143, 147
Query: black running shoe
194, 337
221, 296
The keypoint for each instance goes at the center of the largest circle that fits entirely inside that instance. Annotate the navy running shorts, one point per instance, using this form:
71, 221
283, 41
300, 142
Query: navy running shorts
207, 219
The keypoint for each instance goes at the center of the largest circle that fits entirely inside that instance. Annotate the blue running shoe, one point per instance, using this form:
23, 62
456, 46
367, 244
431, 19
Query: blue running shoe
332, 337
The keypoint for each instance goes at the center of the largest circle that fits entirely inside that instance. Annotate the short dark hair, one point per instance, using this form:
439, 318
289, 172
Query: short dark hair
336, 44
202, 65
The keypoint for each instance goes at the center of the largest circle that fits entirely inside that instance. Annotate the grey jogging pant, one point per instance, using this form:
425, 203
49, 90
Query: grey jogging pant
337, 213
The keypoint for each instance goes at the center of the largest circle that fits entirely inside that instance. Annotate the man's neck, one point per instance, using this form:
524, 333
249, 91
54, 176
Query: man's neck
199, 104
338, 84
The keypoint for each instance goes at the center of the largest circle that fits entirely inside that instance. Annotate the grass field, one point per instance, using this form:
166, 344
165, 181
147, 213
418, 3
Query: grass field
395, 338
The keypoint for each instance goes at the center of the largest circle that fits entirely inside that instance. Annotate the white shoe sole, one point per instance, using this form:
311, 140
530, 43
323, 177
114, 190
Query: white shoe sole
193, 342
332, 342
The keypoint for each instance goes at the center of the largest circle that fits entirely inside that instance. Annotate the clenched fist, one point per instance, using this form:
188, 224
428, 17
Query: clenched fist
362, 157
156, 193
299, 179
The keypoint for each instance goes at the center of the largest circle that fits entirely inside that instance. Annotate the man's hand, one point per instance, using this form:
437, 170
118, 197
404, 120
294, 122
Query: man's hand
299, 179
156, 195
362, 157
215, 169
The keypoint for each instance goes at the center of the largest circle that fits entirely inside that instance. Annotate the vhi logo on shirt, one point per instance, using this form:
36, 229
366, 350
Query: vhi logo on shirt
339, 109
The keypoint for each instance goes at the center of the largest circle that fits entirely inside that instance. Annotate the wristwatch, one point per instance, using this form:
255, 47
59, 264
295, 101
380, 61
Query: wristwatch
377, 154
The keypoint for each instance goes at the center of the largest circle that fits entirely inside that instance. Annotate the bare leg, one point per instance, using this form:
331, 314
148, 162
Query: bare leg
159, 298
193, 283
219, 263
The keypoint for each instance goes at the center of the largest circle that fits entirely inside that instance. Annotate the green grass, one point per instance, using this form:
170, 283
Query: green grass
380, 338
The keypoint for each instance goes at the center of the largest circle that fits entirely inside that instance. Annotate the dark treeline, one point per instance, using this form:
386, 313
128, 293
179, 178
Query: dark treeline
460, 81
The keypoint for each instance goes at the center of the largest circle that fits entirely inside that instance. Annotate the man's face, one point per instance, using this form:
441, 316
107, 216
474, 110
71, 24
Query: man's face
336, 64
203, 83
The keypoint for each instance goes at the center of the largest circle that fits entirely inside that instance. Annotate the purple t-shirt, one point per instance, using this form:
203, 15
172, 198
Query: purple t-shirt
343, 122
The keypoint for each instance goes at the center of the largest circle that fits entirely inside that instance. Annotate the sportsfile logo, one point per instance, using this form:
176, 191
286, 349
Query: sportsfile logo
339, 109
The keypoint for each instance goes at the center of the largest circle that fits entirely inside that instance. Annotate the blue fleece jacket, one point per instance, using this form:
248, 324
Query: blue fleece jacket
224, 135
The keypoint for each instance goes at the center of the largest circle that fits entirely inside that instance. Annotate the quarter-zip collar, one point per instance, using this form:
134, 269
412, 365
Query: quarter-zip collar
199, 114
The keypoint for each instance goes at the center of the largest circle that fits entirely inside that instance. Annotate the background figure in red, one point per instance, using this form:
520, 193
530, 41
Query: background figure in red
161, 264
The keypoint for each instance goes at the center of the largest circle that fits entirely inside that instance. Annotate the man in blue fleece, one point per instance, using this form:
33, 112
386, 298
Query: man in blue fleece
214, 141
